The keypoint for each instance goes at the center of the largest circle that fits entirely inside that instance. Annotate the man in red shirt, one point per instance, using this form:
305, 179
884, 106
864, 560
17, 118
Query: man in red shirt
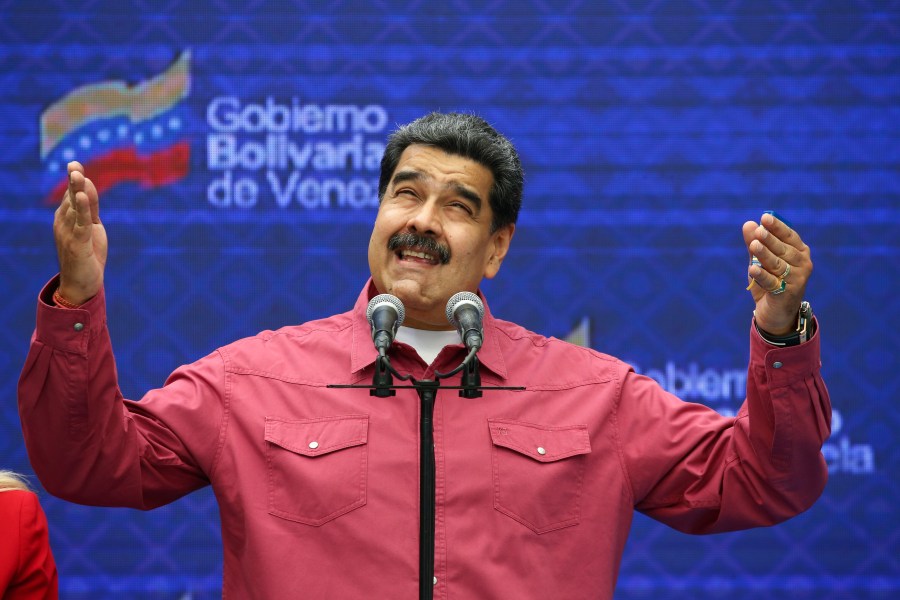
318, 487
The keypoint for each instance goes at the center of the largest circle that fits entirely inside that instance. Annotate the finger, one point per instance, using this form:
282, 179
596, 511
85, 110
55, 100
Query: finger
82, 211
768, 260
763, 278
76, 186
93, 200
777, 247
76, 175
782, 231
748, 231
66, 214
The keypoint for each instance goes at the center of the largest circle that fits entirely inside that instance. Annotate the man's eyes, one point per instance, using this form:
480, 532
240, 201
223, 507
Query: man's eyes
462, 206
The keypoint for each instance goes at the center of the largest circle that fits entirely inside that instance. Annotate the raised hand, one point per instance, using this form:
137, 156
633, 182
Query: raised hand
779, 274
81, 243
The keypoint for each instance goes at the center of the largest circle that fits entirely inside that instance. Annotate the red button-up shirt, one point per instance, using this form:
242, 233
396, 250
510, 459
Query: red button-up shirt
318, 487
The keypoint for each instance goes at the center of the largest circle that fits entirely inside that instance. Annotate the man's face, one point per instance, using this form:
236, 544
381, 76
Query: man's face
432, 236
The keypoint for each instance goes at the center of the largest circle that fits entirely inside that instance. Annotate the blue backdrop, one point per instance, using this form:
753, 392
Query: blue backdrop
238, 144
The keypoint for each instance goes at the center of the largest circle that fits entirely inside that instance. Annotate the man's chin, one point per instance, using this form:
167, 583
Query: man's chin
419, 300
413, 294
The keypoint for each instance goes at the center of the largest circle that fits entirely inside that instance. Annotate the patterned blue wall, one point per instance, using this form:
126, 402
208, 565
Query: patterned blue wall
649, 130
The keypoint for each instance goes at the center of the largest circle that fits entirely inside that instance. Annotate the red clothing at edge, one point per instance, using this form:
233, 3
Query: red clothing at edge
318, 487
27, 569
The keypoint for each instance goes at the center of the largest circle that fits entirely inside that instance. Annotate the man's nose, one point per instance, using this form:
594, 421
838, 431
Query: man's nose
426, 219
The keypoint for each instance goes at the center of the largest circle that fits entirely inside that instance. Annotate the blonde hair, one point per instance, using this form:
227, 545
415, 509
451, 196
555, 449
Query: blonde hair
12, 481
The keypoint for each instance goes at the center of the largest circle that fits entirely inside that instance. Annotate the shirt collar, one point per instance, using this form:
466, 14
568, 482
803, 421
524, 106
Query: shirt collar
363, 354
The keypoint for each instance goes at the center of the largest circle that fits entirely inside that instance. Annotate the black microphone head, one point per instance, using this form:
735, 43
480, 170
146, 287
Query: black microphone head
386, 300
461, 299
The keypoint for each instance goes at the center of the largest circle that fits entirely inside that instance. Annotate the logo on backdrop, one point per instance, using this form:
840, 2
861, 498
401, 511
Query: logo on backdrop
273, 152
284, 153
120, 132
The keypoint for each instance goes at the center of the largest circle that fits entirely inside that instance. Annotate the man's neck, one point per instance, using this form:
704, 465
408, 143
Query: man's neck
428, 343
413, 322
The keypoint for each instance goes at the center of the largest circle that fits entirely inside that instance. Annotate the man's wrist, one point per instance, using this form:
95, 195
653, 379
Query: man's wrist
60, 300
805, 329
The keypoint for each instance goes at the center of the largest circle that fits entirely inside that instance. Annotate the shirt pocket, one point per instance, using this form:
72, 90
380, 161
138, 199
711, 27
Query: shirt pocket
538, 472
317, 468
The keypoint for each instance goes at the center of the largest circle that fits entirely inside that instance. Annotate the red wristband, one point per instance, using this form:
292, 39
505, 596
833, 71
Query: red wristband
60, 301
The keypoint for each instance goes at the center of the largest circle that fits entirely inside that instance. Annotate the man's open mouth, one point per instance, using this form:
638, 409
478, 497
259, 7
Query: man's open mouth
416, 248
417, 256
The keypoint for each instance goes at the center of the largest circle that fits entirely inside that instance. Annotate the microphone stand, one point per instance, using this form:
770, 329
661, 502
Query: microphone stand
383, 387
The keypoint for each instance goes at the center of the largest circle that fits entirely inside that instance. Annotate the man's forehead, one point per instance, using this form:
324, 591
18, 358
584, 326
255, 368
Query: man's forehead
423, 162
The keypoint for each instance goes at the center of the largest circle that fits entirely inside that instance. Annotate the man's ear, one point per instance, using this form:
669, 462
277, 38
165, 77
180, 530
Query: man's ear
501, 240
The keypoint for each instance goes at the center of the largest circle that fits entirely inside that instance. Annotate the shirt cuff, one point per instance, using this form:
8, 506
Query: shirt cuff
68, 329
785, 364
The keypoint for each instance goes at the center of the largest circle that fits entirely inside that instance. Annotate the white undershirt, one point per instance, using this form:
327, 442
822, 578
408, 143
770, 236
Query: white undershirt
428, 344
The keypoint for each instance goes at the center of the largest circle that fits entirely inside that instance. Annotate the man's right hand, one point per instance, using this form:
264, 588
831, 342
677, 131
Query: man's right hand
80, 239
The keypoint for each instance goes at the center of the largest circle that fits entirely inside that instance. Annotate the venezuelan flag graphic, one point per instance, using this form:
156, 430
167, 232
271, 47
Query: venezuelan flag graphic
120, 132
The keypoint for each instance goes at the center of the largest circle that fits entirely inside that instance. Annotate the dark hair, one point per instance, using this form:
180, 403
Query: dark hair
471, 137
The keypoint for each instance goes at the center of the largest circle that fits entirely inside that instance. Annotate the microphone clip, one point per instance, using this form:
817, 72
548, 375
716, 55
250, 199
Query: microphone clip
470, 380
382, 380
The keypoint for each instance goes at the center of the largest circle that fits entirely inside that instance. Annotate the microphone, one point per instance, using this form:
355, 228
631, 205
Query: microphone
385, 314
465, 312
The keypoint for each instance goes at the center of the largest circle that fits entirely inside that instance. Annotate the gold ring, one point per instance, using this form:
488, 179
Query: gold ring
787, 270
779, 287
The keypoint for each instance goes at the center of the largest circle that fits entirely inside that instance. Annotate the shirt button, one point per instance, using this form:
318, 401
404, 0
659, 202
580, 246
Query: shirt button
314, 445
777, 365
78, 326
541, 451
435, 581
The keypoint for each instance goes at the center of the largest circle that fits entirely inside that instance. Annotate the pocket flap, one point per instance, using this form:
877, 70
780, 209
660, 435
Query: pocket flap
540, 442
314, 437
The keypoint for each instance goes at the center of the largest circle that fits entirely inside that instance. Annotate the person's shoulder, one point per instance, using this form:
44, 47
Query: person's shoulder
524, 346
328, 326
14, 501
517, 334
320, 335
18, 496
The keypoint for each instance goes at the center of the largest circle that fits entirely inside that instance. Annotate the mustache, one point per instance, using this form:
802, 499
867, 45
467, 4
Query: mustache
420, 242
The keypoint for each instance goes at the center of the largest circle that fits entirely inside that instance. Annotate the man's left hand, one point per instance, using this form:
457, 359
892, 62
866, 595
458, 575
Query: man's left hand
779, 274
